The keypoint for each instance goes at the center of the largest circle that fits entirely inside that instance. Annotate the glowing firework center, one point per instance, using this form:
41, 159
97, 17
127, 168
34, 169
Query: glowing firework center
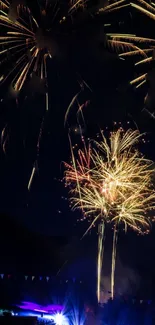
109, 189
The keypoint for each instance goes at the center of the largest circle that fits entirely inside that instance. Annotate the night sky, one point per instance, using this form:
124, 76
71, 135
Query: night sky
44, 211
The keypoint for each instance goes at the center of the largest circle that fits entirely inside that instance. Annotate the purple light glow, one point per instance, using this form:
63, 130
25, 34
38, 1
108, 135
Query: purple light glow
42, 309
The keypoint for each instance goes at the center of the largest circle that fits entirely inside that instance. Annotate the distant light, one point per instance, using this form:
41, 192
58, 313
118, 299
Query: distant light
60, 319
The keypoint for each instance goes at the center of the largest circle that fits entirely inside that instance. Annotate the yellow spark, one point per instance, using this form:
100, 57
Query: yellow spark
75, 4
31, 177
143, 10
140, 78
141, 84
136, 52
144, 61
131, 37
100, 256
4, 4
110, 181
147, 5
114, 5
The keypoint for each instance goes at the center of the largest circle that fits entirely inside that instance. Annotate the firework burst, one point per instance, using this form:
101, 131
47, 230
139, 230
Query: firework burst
24, 44
141, 49
28, 41
111, 182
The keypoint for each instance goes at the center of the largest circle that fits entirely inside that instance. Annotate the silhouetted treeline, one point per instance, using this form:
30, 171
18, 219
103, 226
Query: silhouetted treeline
128, 312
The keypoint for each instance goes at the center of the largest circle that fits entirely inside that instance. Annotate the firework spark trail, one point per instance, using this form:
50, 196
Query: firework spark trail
110, 181
113, 260
76, 4
132, 45
100, 256
35, 165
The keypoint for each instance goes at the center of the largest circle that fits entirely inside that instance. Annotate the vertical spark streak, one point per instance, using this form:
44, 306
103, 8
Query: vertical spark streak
31, 177
113, 261
47, 102
36, 161
101, 228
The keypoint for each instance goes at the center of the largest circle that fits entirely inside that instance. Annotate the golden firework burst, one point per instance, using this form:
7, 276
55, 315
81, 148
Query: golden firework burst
111, 181
139, 47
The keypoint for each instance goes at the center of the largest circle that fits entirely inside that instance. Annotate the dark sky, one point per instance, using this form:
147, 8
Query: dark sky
43, 210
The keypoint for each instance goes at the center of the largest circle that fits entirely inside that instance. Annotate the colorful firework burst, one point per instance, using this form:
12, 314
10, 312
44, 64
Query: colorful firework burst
110, 181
